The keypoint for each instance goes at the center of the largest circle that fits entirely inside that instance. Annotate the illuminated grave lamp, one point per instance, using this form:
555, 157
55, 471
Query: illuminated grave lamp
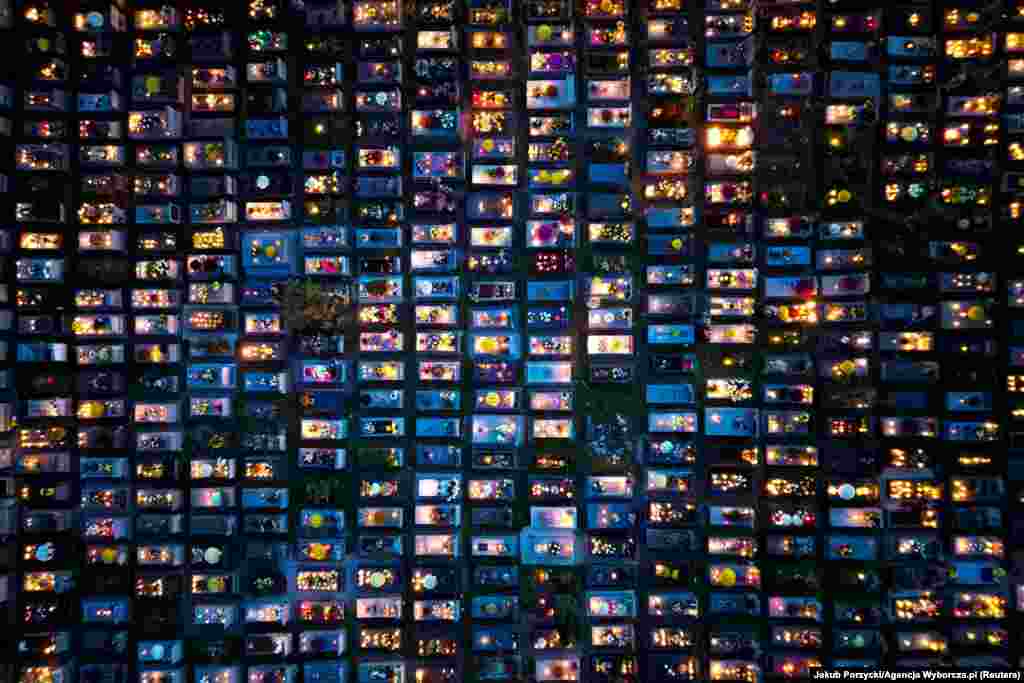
978, 47
550, 547
211, 155
490, 69
377, 15
553, 428
269, 253
435, 122
165, 18
448, 40
609, 117
497, 429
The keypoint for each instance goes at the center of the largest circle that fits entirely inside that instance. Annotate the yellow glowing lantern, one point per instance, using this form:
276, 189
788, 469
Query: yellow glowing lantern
316, 520
727, 577
90, 411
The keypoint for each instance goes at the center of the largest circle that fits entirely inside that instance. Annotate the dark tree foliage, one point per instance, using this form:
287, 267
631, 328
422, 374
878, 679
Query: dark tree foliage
306, 307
